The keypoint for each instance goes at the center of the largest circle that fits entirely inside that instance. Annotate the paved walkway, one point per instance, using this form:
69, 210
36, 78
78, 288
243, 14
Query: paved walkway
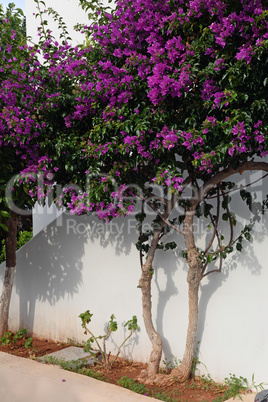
25, 380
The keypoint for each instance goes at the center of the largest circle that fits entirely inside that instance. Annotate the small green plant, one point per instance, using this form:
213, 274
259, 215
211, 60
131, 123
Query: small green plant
20, 334
28, 344
133, 385
112, 326
93, 374
139, 388
76, 366
207, 382
75, 343
175, 362
163, 396
170, 364
239, 385
8, 337
196, 362
70, 365
257, 387
50, 360
190, 385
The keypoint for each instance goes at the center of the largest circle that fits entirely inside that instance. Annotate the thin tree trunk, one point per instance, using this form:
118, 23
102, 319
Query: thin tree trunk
11, 244
155, 338
145, 285
183, 372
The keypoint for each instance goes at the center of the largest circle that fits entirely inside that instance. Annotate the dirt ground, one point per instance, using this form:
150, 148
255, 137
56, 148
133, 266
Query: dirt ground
198, 389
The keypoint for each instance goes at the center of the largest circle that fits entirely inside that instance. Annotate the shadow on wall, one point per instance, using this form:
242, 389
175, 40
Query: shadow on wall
242, 261
120, 233
245, 260
166, 288
50, 266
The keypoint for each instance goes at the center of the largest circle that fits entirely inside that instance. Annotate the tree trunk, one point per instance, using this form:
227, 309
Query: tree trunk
155, 338
145, 285
183, 372
11, 244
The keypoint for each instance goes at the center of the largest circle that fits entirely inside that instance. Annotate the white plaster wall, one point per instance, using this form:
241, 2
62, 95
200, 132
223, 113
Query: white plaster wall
75, 264
43, 216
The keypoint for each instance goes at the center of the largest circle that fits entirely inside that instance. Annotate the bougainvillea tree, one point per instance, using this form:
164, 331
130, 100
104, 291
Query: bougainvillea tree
12, 57
170, 96
27, 90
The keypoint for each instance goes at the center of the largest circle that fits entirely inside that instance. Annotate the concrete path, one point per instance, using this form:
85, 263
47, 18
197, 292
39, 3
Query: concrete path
26, 380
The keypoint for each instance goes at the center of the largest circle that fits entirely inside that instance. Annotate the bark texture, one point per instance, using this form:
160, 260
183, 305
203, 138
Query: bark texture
11, 244
145, 285
155, 338
183, 372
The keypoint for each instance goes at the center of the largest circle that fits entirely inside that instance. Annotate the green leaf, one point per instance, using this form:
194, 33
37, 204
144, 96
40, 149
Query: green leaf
209, 258
5, 214
170, 246
225, 216
85, 317
132, 324
184, 254
226, 201
247, 235
239, 247
113, 326
4, 227
28, 343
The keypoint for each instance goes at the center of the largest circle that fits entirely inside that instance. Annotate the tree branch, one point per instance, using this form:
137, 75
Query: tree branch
230, 221
214, 224
241, 187
224, 174
169, 203
142, 211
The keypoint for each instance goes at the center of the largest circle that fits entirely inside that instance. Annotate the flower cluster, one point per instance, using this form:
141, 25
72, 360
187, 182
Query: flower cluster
164, 89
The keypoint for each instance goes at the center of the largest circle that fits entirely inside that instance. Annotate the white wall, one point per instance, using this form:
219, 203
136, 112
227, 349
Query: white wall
43, 216
79, 263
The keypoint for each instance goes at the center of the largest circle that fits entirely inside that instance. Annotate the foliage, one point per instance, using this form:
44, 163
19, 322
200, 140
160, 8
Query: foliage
12, 58
239, 385
139, 388
23, 238
9, 337
12, 26
92, 373
28, 343
133, 385
112, 326
171, 364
